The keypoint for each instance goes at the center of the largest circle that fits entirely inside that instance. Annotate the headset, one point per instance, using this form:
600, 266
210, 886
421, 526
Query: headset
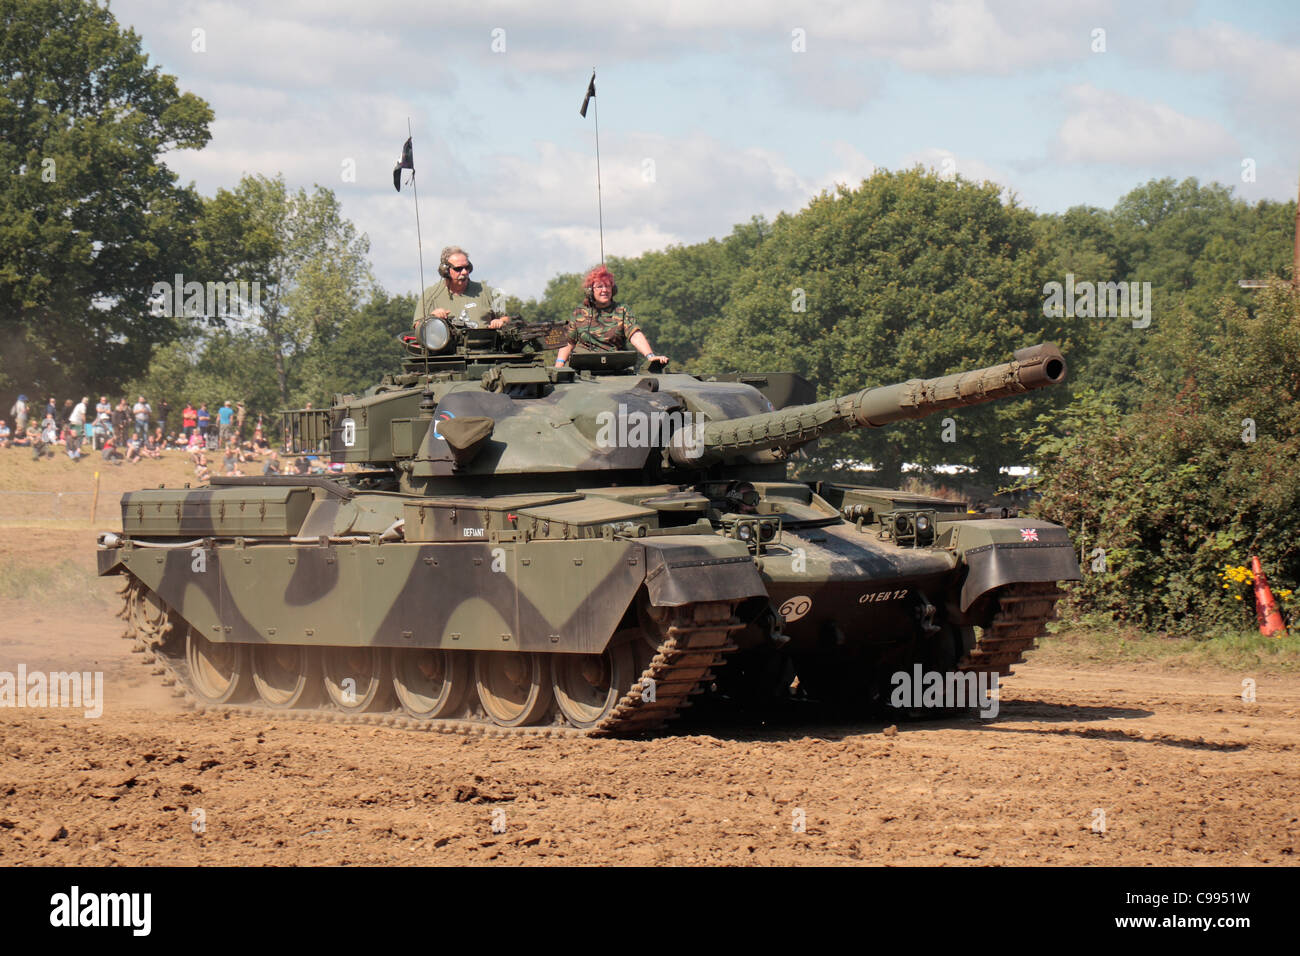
444, 268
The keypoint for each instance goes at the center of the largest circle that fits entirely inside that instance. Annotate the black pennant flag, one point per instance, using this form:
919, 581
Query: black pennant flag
591, 91
407, 162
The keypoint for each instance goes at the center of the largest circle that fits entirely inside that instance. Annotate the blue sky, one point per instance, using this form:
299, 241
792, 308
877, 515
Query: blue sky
709, 115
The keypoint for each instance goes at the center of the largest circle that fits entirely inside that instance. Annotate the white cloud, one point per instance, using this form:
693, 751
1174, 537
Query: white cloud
942, 160
301, 85
831, 82
852, 167
972, 36
1109, 127
1261, 75
307, 51
526, 218
306, 43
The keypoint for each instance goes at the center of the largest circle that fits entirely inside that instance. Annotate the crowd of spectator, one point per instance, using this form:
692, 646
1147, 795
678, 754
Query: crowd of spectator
126, 433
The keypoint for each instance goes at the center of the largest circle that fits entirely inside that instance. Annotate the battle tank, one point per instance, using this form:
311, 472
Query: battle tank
523, 548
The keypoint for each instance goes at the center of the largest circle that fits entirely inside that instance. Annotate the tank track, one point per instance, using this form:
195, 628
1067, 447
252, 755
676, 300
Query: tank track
690, 641
1023, 612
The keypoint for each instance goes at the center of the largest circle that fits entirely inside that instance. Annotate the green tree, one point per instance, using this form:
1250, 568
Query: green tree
676, 294
308, 260
362, 351
90, 215
1190, 242
1203, 474
905, 276
219, 365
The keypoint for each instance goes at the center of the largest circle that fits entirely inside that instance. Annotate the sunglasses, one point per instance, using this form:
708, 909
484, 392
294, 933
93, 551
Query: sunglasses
458, 268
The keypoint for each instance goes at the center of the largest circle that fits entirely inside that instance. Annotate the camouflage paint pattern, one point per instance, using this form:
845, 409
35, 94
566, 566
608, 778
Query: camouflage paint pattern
544, 537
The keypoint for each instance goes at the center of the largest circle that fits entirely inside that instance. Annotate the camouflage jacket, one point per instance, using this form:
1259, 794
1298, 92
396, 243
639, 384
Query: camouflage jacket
602, 330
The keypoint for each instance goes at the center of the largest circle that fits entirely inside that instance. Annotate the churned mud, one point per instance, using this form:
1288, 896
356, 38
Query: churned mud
1103, 765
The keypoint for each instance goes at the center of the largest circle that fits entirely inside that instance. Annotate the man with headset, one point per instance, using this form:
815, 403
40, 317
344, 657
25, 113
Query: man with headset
456, 295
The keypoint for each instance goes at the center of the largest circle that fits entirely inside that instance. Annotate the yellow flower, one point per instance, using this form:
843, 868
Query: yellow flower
1237, 596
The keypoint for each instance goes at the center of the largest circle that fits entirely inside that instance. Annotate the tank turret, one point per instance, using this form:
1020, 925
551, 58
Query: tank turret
600, 419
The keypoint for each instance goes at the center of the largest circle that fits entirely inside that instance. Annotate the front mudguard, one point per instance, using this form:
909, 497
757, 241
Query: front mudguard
685, 569
1008, 551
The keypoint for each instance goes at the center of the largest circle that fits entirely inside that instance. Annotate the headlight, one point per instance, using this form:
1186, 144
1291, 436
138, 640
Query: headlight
434, 335
745, 531
922, 524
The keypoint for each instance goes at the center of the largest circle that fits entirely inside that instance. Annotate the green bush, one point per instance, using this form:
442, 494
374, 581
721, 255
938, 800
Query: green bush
1205, 473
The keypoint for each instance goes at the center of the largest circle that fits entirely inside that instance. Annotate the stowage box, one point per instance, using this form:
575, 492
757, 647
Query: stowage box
215, 512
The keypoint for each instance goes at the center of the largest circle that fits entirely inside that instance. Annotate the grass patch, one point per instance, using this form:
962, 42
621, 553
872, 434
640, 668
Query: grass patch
1093, 640
62, 583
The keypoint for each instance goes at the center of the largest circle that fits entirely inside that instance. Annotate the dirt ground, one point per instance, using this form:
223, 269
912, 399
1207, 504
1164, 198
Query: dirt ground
1185, 772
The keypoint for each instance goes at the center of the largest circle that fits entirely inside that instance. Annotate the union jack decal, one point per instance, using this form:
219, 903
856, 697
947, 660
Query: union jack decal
1029, 534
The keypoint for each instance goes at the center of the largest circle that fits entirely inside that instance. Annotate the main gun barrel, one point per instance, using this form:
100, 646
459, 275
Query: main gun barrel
1030, 368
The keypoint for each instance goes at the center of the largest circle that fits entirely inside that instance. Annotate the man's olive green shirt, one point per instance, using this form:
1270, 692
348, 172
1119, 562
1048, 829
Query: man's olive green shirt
475, 304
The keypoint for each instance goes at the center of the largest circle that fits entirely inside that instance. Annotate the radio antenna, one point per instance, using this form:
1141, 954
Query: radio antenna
582, 111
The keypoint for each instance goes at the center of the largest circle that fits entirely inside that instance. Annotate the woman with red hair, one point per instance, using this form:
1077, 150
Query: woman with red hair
601, 325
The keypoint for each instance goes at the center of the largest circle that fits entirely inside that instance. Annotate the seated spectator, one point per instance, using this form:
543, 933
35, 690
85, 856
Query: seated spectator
272, 465
301, 467
133, 450
21, 437
72, 441
228, 465
150, 449
201, 471
6, 434
195, 443
109, 451
45, 439
102, 429
260, 442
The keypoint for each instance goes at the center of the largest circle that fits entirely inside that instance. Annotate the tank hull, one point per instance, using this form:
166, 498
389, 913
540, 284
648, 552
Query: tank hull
605, 605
